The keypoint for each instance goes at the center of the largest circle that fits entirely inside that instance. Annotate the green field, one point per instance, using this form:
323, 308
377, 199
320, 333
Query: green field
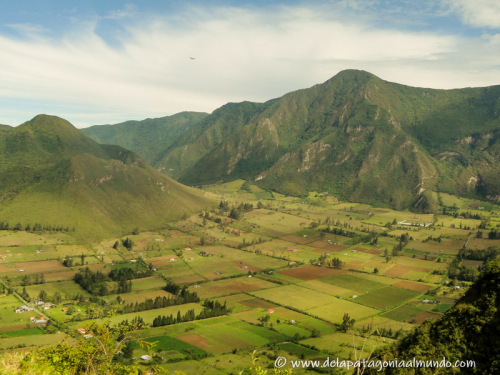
166, 343
403, 313
353, 282
334, 312
387, 297
295, 296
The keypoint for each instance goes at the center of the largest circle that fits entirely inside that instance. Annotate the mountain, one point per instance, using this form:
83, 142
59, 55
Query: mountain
148, 138
357, 136
206, 135
52, 174
365, 139
5, 128
469, 331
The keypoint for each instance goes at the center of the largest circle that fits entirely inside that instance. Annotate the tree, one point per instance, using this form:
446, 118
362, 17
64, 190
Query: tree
375, 270
347, 322
42, 296
115, 246
83, 258
57, 298
315, 333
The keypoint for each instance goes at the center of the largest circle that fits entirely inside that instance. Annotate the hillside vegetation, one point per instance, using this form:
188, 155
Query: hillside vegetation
148, 138
356, 136
52, 174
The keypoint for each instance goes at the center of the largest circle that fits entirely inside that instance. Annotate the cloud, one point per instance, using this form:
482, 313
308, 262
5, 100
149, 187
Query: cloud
29, 30
478, 13
240, 54
129, 11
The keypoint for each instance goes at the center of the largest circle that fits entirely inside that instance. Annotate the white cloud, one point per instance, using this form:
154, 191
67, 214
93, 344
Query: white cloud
240, 54
29, 30
128, 11
479, 13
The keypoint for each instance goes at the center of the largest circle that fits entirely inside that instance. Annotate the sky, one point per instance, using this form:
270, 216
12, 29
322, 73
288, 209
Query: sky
104, 62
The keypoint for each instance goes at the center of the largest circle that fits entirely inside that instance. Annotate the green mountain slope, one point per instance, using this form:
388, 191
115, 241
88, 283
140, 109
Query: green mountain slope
5, 128
148, 138
470, 330
205, 135
365, 139
52, 174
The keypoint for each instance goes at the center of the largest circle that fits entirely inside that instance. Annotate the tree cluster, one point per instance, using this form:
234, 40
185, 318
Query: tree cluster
35, 228
211, 309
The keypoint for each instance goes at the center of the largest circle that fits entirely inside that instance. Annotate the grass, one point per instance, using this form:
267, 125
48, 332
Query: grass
167, 343
69, 288
334, 312
403, 313
353, 282
230, 286
298, 350
387, 297
33, 340
342, 344
22, 332
295, 296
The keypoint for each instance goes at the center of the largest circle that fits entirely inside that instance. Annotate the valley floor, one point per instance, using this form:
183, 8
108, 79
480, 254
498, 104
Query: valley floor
290, 270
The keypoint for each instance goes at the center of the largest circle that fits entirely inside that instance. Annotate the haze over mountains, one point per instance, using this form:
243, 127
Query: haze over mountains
52, 174
356, 136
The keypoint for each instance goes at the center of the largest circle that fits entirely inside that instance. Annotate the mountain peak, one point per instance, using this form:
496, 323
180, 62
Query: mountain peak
360, 76
54, 135
49, 123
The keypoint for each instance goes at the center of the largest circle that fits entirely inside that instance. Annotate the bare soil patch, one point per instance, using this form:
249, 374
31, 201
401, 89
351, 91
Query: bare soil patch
196, 340
395, 272
426, 315
413, 286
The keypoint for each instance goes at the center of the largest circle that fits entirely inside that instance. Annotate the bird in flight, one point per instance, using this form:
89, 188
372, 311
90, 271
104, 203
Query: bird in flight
192, 58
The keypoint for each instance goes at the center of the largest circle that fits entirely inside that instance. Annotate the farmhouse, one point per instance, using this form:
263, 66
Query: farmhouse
270, 311
81, 331
187, 249
172, 259
23, 308
146, 357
